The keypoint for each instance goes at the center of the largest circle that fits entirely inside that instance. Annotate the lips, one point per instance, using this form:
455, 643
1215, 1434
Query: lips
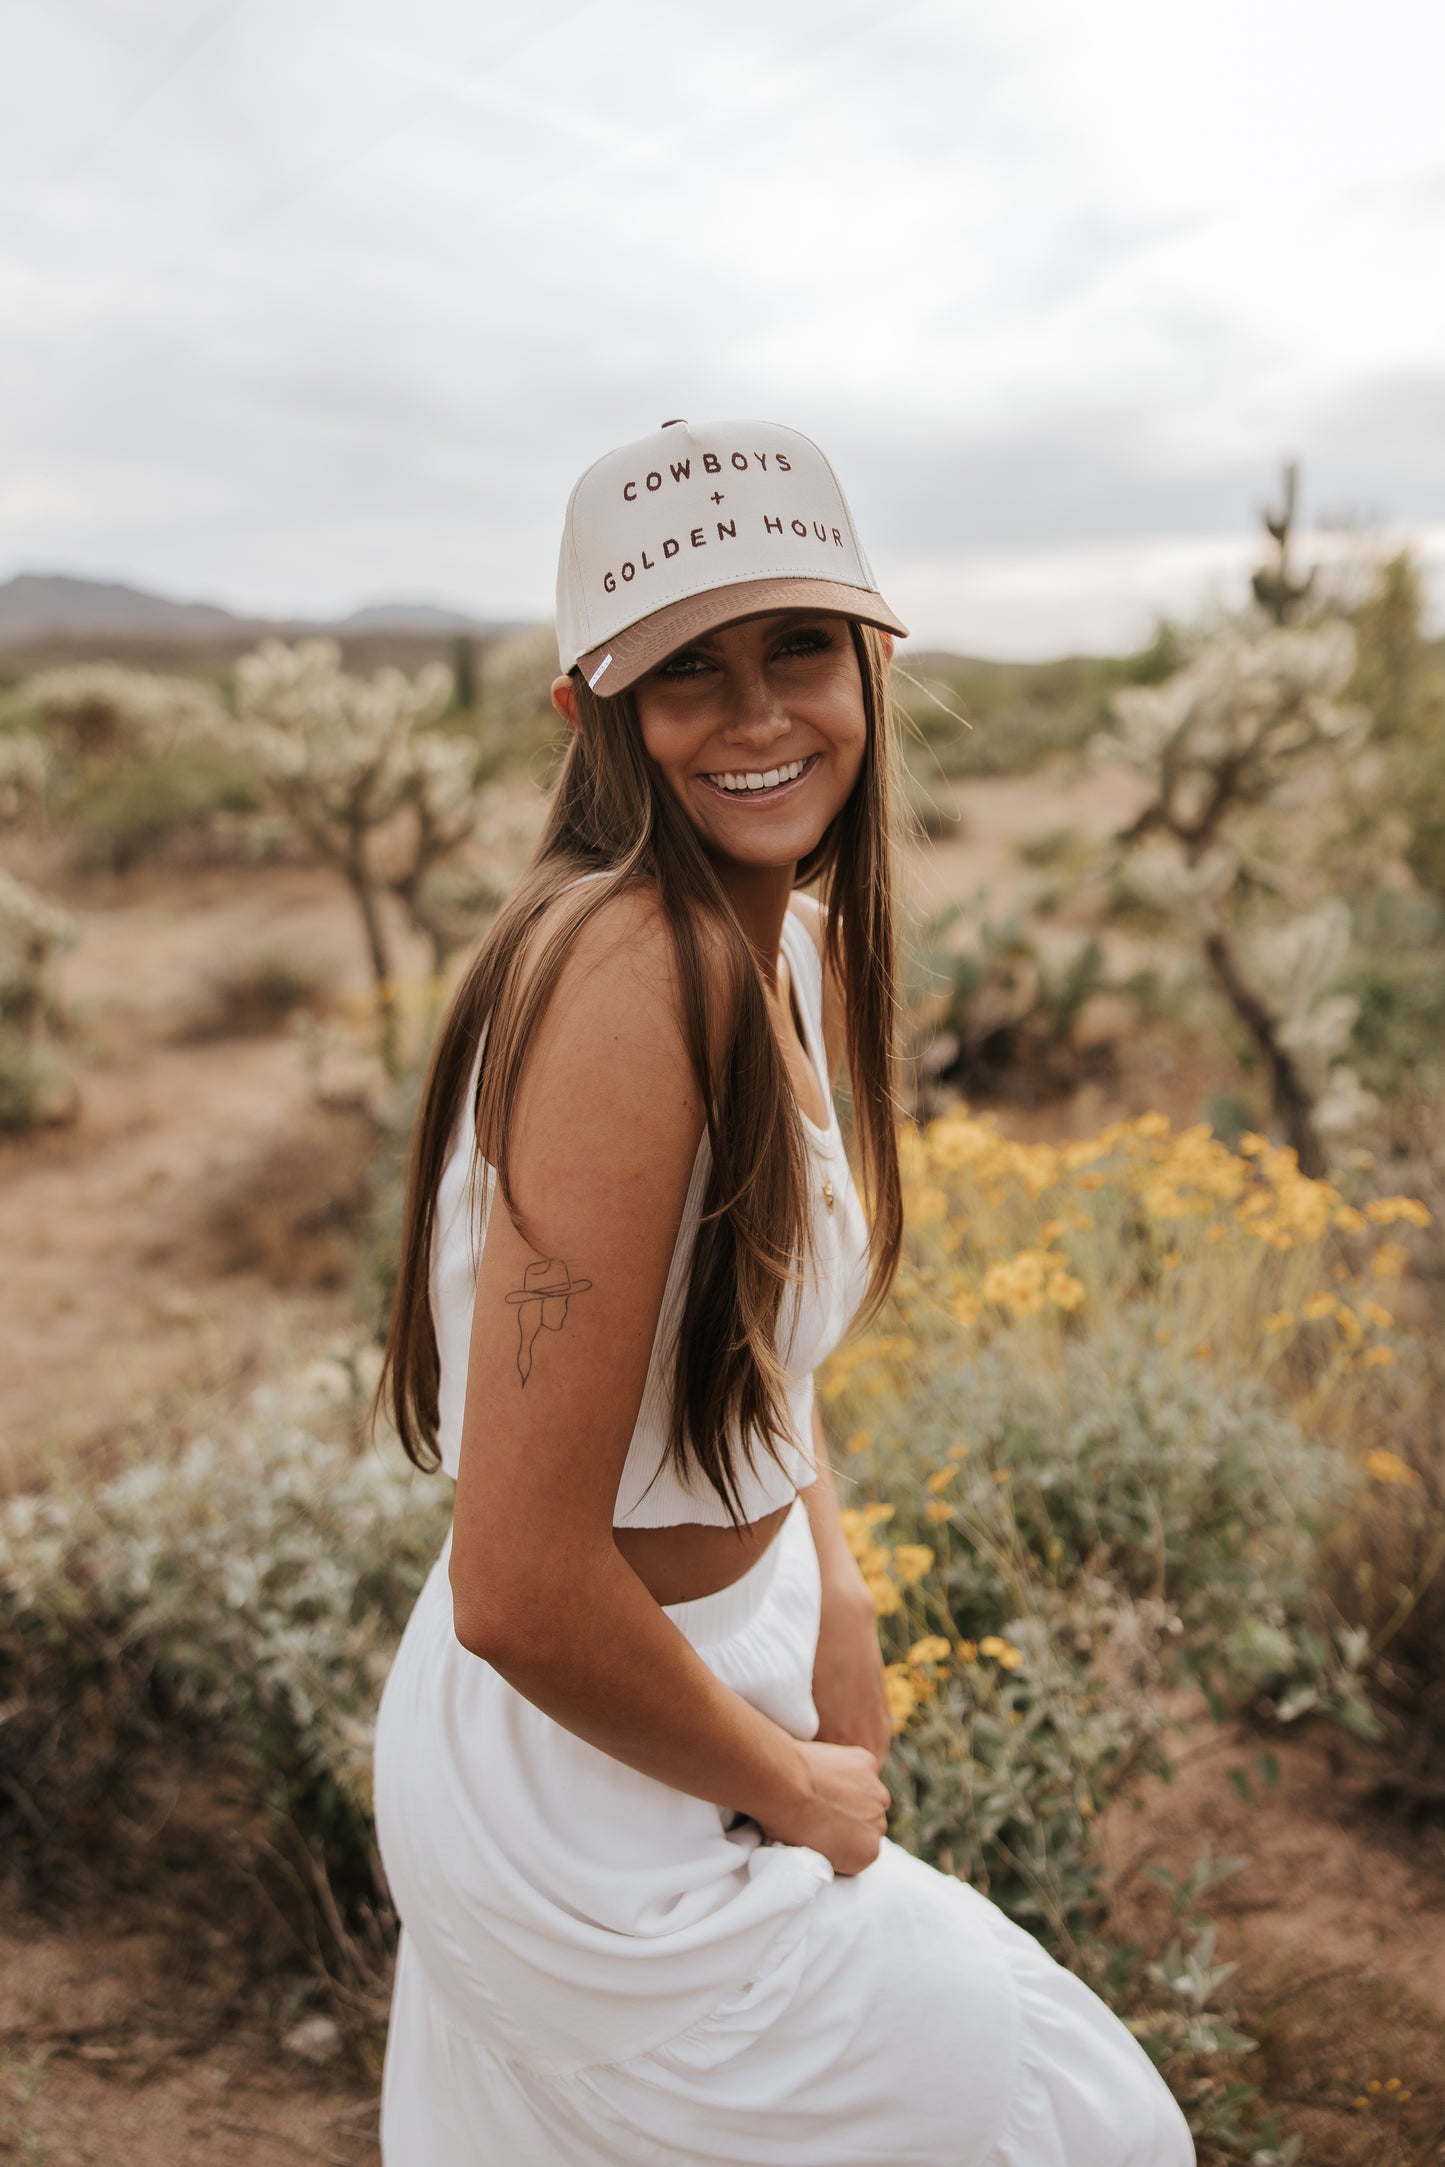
762, 797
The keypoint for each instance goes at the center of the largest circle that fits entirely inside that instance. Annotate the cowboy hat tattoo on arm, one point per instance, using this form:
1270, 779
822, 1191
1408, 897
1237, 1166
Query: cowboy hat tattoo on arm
541, 1305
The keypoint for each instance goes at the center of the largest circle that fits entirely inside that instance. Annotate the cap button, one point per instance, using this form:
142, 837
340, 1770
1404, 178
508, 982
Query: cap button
679, 423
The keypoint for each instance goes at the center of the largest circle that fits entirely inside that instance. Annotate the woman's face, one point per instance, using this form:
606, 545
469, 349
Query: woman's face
759, 728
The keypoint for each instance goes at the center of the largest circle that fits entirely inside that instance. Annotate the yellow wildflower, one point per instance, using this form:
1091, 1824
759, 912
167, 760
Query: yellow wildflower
924, 1206
1350, 1221
959, 1452
912, 1560
967, 1651
1203, 1352
1389, 1467
1377, 1358
938, 1508
1387, 1209
1375, 1314
855, 1529
1390, 1261
876, 1514
1281, 1321
933, 1648
902, 1696
1171, 1260
912, 1152
941, 1478
886, 1598
965, 1308
1151, 1124
1003, 1652
1066, 1292
858, 1442
1318, 1306
1349, 1324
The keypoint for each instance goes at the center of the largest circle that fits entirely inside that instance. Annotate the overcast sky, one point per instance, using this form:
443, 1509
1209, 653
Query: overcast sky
310, 303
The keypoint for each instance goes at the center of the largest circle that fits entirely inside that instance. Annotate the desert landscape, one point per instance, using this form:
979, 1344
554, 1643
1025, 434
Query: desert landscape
207, 1090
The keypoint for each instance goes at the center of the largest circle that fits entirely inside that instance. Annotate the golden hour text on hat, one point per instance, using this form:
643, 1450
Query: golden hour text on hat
693, 527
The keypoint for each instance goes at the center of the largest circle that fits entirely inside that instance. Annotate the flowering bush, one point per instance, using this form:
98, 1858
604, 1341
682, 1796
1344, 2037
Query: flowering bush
1105, 1431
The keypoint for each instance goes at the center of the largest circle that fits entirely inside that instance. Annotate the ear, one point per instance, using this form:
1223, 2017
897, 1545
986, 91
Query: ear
564, 699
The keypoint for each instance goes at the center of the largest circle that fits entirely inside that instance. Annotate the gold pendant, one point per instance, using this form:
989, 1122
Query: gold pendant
828, 1193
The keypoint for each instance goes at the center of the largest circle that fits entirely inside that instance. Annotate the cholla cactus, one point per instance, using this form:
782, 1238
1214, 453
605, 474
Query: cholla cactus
1294, 964
32, 934
24, 769
1232, 727
100, 707
1254, 707
349, 757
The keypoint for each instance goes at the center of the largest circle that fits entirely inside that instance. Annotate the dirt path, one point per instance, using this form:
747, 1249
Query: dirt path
107, 2055
999, 813
185, 1232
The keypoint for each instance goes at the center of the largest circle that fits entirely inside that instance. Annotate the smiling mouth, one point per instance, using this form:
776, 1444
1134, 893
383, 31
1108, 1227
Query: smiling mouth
759, 785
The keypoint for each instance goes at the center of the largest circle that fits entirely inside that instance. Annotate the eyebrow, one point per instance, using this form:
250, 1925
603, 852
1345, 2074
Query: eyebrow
777, 618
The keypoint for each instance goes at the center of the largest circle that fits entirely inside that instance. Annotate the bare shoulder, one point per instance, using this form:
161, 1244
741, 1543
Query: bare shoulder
618, 1003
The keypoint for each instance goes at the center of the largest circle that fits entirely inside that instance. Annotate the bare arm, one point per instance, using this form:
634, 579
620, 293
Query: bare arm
607, 1130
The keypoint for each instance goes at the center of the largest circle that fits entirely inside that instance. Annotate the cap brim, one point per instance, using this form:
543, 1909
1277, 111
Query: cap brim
619, 662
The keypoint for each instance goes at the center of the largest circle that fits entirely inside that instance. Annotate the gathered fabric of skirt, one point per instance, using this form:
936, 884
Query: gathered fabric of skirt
596, 1970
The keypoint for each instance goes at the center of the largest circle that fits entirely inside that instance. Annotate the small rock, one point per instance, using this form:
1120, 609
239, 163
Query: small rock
314, 2039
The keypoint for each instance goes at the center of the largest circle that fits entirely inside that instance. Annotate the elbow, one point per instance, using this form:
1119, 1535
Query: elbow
484, 1626
505, 1621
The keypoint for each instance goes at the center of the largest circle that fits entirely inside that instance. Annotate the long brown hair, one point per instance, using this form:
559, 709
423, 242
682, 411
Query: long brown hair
612, 813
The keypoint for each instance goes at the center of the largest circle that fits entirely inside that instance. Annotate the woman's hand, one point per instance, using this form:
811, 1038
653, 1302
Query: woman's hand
849, 1690
843, 1810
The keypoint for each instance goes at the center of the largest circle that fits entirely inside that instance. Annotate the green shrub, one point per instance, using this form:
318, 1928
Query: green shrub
241, 1601
126, 807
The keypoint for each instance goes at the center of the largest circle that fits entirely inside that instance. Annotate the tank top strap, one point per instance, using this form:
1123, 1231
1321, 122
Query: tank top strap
806, 966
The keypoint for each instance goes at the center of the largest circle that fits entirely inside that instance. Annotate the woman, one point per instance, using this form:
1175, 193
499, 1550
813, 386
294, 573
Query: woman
627, 1762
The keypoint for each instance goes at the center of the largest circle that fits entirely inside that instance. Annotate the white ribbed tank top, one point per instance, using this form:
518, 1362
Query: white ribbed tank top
814, 1317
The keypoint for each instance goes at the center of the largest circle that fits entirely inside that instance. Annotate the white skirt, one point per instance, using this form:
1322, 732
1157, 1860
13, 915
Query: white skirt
596, 1970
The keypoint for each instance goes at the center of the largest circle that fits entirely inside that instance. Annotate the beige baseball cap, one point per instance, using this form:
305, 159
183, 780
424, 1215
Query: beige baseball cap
694, 526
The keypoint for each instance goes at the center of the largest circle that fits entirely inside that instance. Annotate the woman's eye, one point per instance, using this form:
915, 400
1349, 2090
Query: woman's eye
688, 664
814, 641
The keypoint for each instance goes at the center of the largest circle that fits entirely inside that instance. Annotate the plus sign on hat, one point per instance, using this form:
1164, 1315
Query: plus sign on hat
694, 526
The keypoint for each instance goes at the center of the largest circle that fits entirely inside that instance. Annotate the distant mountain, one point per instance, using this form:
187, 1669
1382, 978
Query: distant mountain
38, 605
47, 606
409, 617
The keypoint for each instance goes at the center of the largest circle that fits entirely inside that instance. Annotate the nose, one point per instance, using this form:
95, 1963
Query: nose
757, 717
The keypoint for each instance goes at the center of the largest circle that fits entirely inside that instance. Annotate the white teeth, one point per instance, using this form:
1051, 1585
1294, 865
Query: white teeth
755, 781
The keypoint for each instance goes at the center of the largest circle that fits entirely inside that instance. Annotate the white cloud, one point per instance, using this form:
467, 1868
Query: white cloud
310, 305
